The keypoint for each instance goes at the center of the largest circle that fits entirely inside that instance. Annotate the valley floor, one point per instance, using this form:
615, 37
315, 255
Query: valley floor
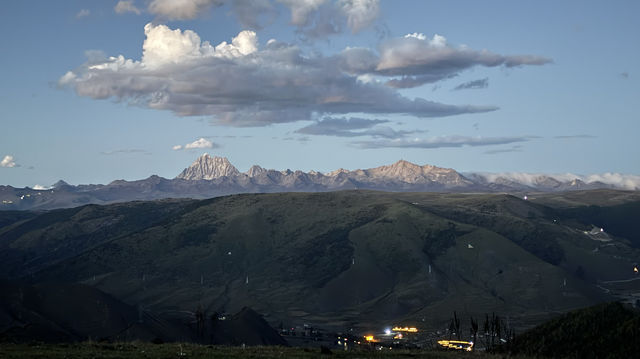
176, 350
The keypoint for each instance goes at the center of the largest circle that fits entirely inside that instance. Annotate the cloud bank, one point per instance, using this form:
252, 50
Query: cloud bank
629, 182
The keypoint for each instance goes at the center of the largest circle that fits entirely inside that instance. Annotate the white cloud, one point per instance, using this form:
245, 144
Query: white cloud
126, 6
199, 143
240, 84
41, 188
164, 46
360, 13
83, 13
8, 162
181, 9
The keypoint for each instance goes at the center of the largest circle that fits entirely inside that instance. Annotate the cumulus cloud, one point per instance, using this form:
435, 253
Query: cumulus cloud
41, 187
475, 84
441, 142
416, 59
352, 127
8, 162
199, 143
126, 6
83, 13
241, 84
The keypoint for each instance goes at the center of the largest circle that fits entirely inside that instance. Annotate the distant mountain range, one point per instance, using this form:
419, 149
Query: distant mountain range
211, 176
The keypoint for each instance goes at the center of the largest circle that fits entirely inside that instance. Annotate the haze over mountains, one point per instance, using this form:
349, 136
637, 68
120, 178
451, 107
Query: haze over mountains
211, 176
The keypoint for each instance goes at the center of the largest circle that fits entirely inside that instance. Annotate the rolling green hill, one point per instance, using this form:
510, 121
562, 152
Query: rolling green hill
337, 260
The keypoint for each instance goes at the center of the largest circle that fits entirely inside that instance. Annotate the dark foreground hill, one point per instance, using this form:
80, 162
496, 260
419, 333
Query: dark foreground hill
608, 330
339, 260
76, 312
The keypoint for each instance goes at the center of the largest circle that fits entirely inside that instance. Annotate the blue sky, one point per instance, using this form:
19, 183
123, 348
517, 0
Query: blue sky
492, 86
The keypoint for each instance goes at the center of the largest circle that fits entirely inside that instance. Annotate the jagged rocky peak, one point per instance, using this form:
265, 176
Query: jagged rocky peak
408, 172
255, 171
208, 168
337, 172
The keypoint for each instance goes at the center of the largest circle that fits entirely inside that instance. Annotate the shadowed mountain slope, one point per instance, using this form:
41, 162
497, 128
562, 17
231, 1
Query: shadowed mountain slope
338, 259
608, 330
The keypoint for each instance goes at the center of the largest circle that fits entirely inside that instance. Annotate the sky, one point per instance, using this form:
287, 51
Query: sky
94, 91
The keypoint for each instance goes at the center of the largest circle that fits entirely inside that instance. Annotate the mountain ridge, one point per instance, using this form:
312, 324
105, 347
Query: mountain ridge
212, 176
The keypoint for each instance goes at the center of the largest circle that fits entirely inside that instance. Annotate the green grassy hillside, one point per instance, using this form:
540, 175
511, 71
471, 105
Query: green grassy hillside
339, 260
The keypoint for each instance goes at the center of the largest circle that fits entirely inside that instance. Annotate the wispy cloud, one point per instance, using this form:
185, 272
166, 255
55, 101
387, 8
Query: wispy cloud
568, 137
8, 162
353, 127
441, 142
83, 13
624, 75
199, 143
475, 84
126, 6
517, 148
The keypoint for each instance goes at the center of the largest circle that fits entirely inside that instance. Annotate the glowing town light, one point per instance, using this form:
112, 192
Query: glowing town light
456, 345
405, 329
387, 331
368, 338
